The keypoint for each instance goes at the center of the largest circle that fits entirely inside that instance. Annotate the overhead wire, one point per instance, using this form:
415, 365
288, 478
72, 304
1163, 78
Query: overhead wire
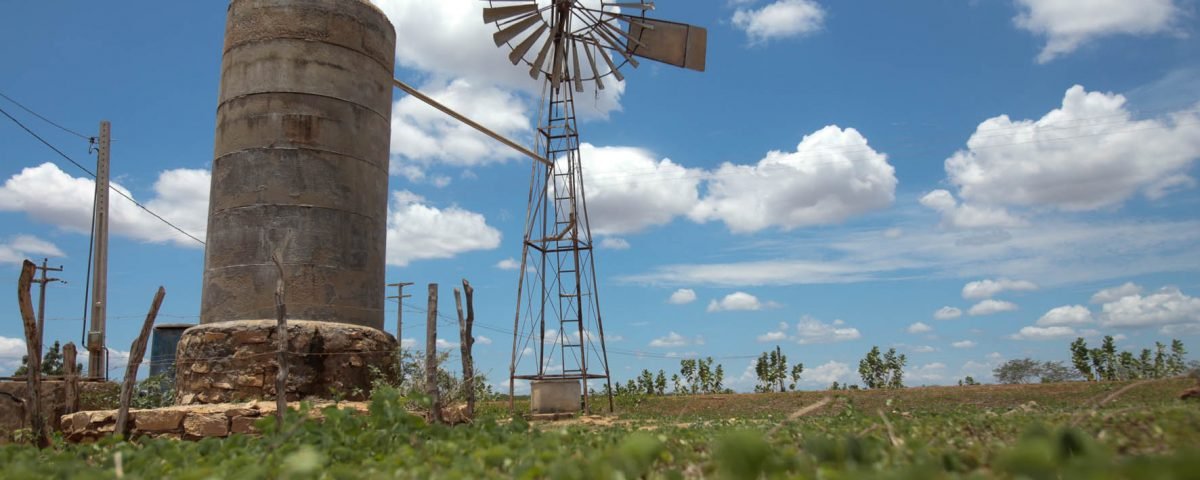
44, 119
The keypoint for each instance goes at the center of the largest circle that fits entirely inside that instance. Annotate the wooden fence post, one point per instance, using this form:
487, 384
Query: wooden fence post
33, 345
468, 342
136, 352
431, 364
71, 378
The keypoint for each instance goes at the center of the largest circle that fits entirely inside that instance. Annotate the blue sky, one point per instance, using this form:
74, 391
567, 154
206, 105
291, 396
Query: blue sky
840, 173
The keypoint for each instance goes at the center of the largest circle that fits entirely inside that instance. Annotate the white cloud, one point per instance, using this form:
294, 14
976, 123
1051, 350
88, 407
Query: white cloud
947, 313
1116, 293
919, 327
1068, 24
989, 307
1088, 154
968, 216
408, 343
682, 296
444, 344
416, 231
49, 195
422, 135
922, 349
482, 340
1066, 315
735, 301
780, 19
811, 330
1043, 333
832, 175
22, 247
614, 243
11, 351
675, 340
930, 372
772, 337
629, 191
827, 373
1166, 307
508, 264
990, 288
963, 344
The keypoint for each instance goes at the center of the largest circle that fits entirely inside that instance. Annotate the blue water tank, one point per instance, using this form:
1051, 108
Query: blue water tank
162, 347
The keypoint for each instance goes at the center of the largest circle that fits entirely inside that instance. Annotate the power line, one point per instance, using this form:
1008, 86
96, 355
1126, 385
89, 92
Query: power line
93, 175
44, 119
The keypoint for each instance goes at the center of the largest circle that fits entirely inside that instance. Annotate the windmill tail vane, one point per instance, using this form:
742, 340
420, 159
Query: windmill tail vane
558, 329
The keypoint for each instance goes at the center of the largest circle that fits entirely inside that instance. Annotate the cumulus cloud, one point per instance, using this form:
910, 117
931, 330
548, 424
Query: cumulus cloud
628, 190
1043, 333
417, 231
682, 296
1090, 153
922, 349
508, 264
963, 344
919, 327
1066, 315
1068, 24
947, 313
675, 340
11, 351
22, 247
833, 175
1167, 307
827, 373
811, 331
966, 216
614, 243
482, 340
989, 307
780, 19
443, 344
990, 288
736, 301
1116, 293
930, 372
51, 196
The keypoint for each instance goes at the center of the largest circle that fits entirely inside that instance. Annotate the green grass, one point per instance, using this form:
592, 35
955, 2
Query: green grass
1034, 431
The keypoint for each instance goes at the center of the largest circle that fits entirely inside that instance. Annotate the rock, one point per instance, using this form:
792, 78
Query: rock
200, 367
250, 381
160, 420
223, 385
214, 336
243, 425
242, 412
250, 336
206, 425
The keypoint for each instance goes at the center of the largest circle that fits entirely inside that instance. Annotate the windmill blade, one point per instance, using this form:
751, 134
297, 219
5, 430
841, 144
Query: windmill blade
541, 58
635, 6
608, 59
495, 14
578, 73
673, 43
587, 49
519, 52
616, 45
510, 32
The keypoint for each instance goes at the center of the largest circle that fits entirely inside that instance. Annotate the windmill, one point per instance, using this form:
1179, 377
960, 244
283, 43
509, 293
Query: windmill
567, 44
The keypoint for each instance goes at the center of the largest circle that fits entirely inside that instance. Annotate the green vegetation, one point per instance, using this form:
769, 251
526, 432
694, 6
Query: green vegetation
996, 431
886, 371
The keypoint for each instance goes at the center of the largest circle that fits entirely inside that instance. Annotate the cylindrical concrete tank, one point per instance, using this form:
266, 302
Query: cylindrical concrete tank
303, 129
162, 347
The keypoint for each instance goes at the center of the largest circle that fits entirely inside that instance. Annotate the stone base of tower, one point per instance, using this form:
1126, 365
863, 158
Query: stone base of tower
236, 361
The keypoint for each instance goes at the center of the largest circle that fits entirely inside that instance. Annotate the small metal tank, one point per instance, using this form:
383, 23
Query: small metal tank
162, 347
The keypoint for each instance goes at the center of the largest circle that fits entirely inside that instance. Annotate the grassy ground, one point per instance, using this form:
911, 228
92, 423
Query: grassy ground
1073, 430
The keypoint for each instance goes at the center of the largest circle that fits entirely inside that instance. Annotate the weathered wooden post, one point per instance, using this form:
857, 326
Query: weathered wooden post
33, 345
71, 378
136, 352
467, 344
431, 366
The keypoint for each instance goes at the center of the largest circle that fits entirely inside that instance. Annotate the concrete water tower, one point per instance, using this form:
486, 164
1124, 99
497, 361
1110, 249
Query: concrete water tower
300, 167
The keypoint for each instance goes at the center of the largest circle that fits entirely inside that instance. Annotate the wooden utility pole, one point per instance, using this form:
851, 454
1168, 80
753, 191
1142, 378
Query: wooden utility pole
33, 347
96, 346
41, 315
400, 296
431, 366
466, 337
136, 352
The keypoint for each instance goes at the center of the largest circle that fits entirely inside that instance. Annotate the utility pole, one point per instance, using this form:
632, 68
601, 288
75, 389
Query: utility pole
41, 318
97, 365
400, 296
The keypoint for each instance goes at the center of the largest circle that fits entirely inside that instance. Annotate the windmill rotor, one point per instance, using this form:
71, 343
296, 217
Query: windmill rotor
549, 35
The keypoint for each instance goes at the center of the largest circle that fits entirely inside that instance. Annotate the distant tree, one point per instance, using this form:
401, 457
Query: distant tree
1176, 363
1111, 361
704, 375
968, 381
1080, 358
835, 386
1160, 360
1021, 370
1128, 367
718, 383
1146, 364
52, 362
699, 376
645, 383
771, 370
1097, 358
797, 370
1055, 372
882, 371
660, 383
677, 382
687, 370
